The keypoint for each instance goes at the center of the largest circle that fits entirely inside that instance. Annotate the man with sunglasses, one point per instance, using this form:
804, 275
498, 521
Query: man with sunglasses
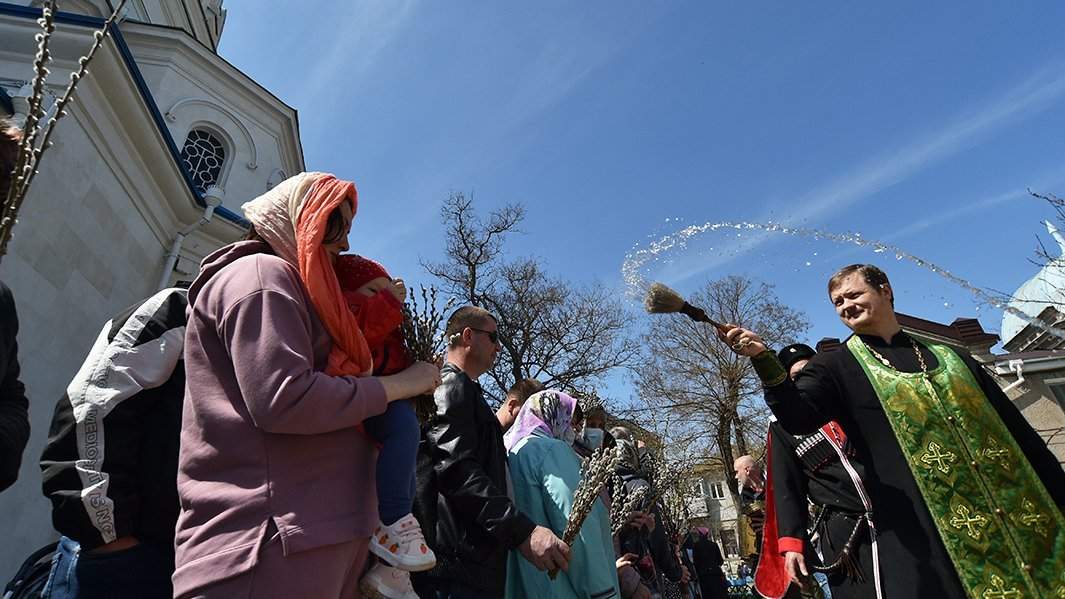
462, 500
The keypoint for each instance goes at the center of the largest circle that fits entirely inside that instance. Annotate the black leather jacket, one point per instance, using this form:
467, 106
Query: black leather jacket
461, 500
14, 418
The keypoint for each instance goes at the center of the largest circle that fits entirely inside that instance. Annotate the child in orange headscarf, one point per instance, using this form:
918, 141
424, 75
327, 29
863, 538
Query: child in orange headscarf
376, 300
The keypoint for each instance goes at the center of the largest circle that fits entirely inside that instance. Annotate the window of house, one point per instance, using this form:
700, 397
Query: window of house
717, 490
1057, 388
204, 156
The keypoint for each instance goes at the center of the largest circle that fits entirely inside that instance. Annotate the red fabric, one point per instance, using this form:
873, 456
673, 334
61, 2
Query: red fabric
355, 271
835, 433
771, 578
379, 316
786, 544
350, 354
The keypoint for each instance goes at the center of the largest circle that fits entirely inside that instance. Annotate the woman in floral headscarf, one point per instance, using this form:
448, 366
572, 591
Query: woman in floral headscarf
275, 480
545, 472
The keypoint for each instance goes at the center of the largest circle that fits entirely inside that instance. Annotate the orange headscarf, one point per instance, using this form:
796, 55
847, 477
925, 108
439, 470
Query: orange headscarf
293, 218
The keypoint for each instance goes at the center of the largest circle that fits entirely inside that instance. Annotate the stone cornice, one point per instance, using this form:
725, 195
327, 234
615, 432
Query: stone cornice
176, 50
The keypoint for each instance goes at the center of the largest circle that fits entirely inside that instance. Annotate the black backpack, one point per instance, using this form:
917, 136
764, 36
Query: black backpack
30, 579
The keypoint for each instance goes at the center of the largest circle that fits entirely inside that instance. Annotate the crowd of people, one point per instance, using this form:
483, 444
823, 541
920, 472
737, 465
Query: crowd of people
255, 436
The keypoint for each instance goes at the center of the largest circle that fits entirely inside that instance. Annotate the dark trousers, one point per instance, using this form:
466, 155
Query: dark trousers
140, 572
713, 585
398, 432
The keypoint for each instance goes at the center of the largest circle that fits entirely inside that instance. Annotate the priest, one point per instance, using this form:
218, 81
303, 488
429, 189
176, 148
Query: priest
967, 499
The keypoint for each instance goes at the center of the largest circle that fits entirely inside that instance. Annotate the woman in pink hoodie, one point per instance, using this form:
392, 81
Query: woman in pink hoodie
275, 479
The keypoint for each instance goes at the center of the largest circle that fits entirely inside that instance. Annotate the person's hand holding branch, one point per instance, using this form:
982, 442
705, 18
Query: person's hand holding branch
742, 341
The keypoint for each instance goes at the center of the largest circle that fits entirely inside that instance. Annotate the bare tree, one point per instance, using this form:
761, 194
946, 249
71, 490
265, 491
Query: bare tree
714, 397
473, 247
566, 336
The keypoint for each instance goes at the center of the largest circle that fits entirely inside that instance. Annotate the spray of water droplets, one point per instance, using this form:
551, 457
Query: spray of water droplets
637, 259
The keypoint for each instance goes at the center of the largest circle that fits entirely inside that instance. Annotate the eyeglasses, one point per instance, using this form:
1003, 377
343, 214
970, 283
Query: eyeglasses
493, 336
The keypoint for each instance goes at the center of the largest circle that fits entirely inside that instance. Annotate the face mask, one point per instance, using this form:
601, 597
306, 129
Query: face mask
592, 438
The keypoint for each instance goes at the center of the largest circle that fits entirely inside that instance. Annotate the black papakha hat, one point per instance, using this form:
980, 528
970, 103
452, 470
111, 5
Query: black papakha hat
795, 352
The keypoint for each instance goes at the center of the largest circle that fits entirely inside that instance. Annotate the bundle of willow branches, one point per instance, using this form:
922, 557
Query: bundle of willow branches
676, 506
663, 476
37, 131
597, 472
624, 504
422, 330
423, 335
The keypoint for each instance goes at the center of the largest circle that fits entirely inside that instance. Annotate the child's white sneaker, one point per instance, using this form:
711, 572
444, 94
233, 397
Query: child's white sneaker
403, 545
386, 582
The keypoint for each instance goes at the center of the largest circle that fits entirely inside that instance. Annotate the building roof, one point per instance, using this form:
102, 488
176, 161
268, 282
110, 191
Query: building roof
1039, 335
963, 332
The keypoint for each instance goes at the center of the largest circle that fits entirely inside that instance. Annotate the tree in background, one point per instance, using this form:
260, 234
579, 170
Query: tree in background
565, 335
705, 399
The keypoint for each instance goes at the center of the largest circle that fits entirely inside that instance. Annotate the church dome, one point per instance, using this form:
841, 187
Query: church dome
1046, 288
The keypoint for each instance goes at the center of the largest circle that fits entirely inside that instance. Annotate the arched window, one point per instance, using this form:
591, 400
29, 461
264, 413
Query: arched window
204, 156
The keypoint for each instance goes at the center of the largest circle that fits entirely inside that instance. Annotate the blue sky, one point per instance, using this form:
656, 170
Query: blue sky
916, 123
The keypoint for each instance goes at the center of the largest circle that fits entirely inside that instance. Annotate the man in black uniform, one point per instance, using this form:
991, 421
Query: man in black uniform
819, 468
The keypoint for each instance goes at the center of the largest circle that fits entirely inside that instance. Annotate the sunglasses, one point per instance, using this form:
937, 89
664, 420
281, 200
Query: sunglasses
493, 336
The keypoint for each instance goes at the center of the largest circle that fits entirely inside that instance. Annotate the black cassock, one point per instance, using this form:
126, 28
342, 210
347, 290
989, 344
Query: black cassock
914, 563
810, 466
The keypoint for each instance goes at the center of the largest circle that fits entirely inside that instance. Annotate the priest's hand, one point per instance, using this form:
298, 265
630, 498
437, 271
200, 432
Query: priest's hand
742, 341
794, 563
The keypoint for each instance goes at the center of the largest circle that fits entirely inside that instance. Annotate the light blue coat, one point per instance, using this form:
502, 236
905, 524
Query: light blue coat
545, 472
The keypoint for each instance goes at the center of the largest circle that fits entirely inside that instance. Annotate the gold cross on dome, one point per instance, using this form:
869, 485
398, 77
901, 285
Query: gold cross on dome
969, 520
997, 590
1033, 519
935, 456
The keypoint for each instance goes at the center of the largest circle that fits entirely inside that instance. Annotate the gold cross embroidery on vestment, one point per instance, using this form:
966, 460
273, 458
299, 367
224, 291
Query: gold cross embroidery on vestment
998, 590
969, 520
935, 456
1032, 519
996, 453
